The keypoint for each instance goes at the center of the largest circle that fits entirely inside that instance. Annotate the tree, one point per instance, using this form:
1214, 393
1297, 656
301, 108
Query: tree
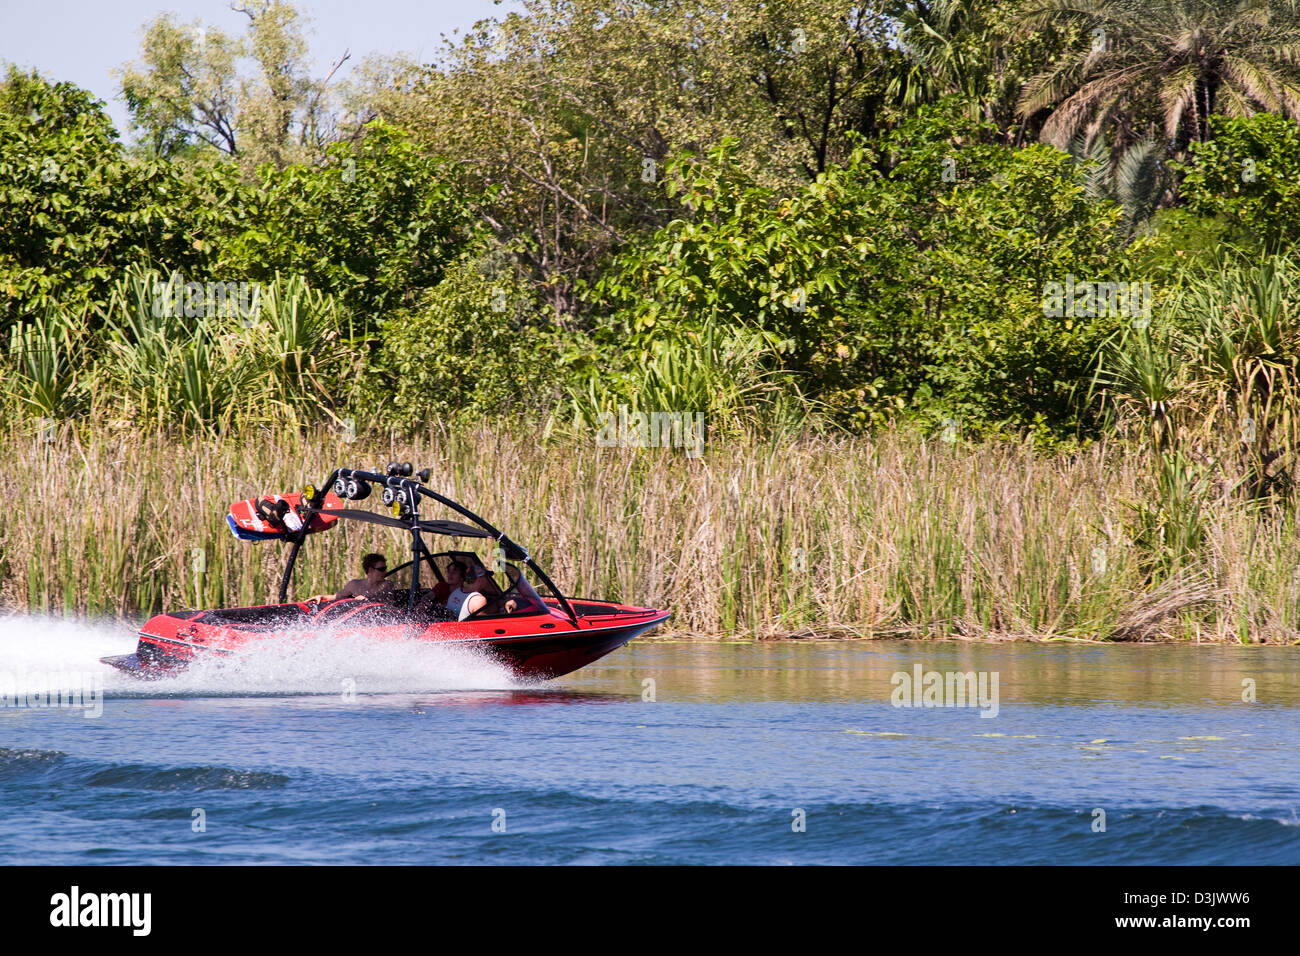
562, 117
75, 209
374, 223
187, 92
909, 278
969, 48
1168, 66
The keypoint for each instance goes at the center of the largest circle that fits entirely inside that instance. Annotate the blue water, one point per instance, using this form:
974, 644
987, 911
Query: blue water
280, 762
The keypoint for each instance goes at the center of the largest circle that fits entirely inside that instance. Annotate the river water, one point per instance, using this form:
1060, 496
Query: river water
664, 752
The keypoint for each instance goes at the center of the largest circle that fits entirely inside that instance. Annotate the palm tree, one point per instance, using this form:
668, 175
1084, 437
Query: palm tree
955, 47
1137, 179
1146, 66
947, 44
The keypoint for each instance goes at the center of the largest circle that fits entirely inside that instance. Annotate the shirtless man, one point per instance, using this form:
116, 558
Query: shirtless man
374, 584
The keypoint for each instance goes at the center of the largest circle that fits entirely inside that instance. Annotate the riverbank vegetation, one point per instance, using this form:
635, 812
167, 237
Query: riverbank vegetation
883, 536
992, 322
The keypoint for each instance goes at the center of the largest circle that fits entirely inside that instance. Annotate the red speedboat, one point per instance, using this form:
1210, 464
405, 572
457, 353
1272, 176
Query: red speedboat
537, 633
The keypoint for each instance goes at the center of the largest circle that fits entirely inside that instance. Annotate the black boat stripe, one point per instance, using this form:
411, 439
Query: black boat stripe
498, 639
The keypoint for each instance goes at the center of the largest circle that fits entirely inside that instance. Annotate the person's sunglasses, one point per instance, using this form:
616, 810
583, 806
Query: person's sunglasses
381, 567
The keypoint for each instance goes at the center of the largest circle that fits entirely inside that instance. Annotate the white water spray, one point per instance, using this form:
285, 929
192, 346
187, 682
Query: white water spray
36, 652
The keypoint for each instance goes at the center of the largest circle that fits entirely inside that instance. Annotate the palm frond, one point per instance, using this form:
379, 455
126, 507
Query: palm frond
1139, 181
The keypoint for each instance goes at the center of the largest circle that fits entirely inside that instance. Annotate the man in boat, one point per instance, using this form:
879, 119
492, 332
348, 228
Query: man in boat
374, 583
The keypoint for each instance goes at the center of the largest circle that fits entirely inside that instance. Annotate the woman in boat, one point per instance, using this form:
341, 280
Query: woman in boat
441, 591
440, 595
520, 597
481, 588
461, 592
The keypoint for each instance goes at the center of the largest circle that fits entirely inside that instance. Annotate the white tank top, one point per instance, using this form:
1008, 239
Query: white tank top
455, 599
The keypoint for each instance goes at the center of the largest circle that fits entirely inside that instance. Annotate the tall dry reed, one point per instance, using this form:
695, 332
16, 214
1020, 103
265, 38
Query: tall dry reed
891, 536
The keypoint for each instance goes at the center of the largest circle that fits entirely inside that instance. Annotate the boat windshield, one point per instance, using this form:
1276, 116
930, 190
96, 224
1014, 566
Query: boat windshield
509, 593
521, 592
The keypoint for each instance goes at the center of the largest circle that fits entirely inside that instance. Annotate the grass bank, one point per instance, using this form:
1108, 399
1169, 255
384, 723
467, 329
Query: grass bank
882, 537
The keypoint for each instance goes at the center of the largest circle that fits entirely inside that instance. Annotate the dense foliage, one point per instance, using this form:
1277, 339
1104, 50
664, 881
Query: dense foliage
1249, 176
75, 209
909, 278
785, 214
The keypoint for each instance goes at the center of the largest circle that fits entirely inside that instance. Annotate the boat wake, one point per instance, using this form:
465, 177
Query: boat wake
43, 655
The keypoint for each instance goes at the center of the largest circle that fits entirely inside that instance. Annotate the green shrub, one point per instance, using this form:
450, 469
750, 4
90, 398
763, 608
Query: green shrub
1249, 176
201, 366
475, 344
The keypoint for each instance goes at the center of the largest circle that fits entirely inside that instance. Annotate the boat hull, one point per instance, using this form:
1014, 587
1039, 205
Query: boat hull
547, 657
534, 646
